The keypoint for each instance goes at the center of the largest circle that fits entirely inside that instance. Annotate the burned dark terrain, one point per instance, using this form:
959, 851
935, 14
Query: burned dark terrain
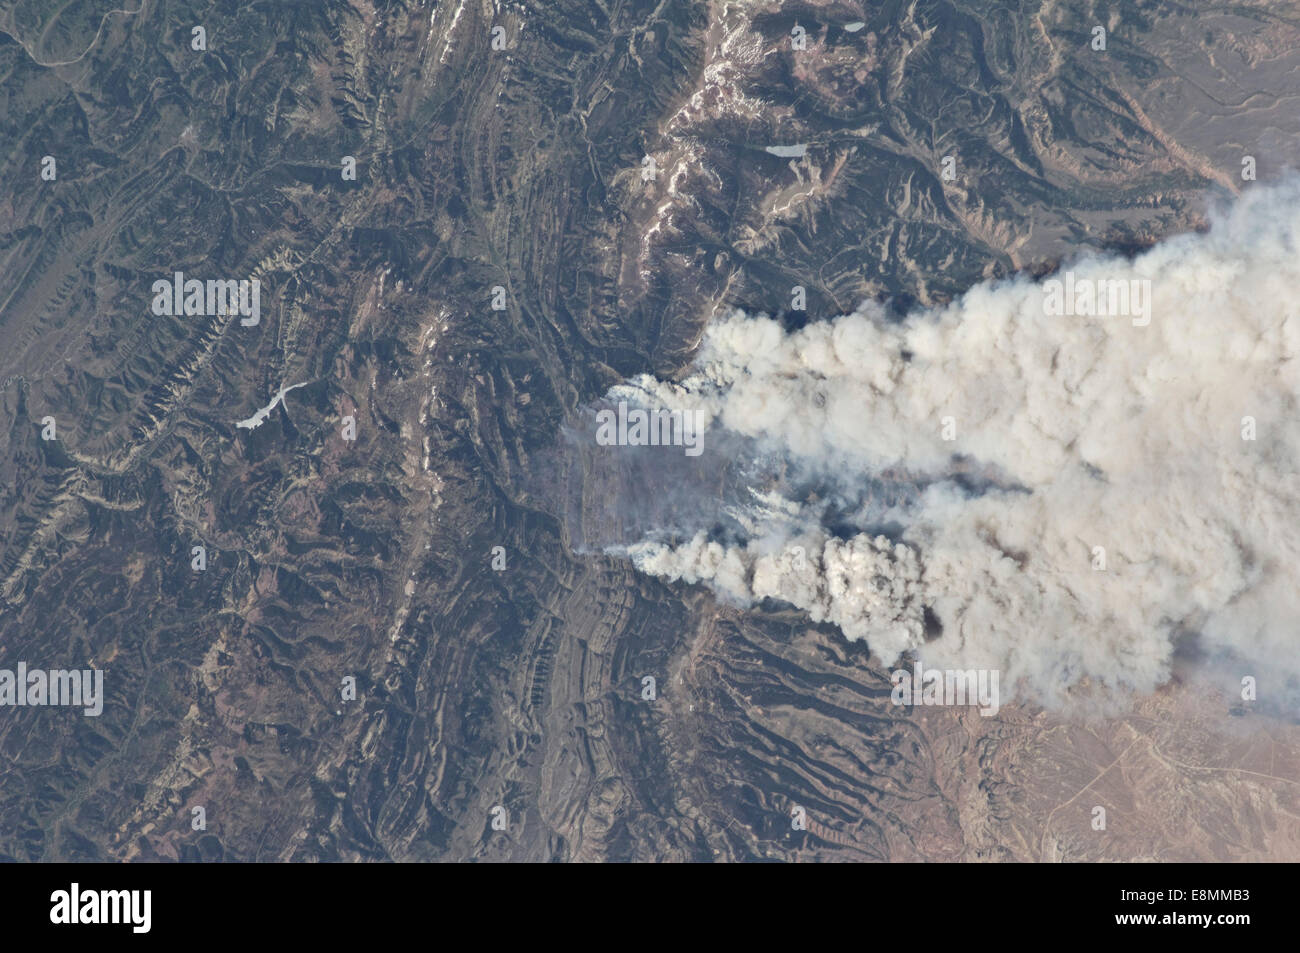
438, 557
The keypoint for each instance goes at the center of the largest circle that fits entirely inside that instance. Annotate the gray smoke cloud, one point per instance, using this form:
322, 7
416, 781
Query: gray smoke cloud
1037, 446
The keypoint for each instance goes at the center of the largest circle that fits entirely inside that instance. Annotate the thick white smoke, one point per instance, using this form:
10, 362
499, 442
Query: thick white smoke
1168, 438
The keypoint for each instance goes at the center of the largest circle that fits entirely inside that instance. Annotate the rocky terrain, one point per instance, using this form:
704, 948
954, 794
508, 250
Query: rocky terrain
413, 517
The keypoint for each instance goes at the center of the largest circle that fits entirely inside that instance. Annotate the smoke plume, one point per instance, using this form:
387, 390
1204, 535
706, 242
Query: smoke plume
1057, 480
